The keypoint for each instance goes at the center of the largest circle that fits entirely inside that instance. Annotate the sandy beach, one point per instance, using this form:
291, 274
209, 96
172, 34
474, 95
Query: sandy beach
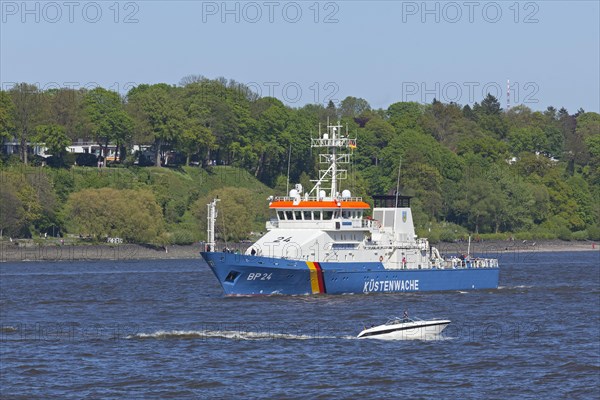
29, 251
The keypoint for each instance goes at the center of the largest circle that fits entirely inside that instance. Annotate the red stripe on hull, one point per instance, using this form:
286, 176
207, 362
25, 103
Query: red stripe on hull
320, 278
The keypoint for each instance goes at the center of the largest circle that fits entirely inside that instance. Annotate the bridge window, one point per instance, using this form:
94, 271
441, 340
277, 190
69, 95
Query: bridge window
327, 215
298, 215
280, 215
289, 215
307, 215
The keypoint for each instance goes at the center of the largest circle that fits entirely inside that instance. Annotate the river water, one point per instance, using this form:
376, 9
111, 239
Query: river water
162, 329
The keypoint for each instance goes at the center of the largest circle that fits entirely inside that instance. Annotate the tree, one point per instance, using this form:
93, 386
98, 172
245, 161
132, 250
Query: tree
441, 121
67, 109
489, 106
332, 112
11, 211
161, 114
270, 143
405, 115
527, 139
107, 118
133, 215
28, 113
7, 112
28, 203
239, 212
193, 138
353, 107
55, 139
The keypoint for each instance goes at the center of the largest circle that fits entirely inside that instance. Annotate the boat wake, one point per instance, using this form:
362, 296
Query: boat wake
233, 335
8, 329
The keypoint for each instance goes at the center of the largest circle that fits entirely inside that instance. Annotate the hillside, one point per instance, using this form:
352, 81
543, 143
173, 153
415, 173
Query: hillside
43, 198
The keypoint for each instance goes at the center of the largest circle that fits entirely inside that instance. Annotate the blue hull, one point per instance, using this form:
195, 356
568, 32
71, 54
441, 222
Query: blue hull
252, 275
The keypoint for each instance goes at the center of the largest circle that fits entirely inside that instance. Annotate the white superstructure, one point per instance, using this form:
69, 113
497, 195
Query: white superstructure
331, 226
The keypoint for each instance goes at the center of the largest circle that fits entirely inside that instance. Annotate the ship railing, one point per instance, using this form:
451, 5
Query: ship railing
371, 223
314, 198
457, 263
331, 142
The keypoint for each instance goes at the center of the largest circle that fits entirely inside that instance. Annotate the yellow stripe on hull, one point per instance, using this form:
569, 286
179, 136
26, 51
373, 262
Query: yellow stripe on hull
314, 277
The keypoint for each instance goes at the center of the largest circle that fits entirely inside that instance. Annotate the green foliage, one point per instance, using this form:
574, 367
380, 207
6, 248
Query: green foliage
107, 119
159, 113
128, 214
594, 232
580, 235
28, 202
405, 115
529, 139
239, 212
454, 158
7, 110
55, 139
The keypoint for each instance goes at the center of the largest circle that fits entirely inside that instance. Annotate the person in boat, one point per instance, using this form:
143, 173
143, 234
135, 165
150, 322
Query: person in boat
405, 316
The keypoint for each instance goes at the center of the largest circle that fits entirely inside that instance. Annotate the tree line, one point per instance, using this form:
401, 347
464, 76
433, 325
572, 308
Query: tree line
474, 168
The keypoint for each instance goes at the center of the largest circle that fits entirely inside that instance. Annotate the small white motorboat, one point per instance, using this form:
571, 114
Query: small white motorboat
406, 329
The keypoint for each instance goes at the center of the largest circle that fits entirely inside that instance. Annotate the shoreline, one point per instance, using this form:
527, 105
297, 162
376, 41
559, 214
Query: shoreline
31, 252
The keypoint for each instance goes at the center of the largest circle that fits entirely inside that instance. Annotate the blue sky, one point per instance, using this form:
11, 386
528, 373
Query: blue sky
307, 51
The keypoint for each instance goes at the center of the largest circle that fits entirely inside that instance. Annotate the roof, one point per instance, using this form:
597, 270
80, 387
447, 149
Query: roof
319, 204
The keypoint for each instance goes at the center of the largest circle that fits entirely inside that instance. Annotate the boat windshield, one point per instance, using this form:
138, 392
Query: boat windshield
398, 320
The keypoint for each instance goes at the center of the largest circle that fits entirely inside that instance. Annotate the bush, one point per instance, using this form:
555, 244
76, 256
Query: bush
86, 160
580, 235
433, 236
536, 233
133, 215
494, 236
593, 232
564, 233
69, 159
144, 161
183, 237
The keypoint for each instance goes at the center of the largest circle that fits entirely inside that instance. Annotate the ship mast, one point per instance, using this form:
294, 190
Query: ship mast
211, 217
333, 140
334, 130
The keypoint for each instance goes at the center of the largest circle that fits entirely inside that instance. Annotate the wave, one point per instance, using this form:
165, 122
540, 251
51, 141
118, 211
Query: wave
235, 335
515, 287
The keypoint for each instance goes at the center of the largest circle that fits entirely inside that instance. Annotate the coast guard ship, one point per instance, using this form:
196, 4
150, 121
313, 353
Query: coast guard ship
322, 242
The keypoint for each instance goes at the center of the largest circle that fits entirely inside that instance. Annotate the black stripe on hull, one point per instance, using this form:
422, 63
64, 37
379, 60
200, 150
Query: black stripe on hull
399, 329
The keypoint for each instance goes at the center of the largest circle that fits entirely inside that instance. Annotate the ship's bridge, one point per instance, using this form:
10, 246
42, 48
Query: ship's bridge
318, 213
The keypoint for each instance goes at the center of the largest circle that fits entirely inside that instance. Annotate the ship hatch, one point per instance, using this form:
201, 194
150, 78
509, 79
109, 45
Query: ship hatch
231, 276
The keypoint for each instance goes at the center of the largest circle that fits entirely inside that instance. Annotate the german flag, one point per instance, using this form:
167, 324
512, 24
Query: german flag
317, 283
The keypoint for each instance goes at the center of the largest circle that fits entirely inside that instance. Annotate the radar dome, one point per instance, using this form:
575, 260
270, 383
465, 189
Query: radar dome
346, 194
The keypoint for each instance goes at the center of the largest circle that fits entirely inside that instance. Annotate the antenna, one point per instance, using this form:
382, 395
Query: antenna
398, 182
508, 95
287, 187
